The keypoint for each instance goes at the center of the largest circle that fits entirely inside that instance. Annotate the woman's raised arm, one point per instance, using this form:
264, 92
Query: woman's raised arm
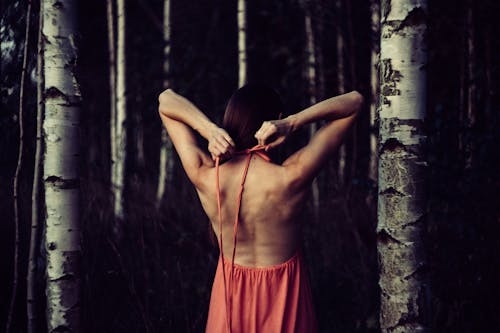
177, 107
303, 165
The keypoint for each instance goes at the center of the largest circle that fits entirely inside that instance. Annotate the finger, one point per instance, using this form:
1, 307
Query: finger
268, 132
211, 148
258, 135
260, 140
261, 130
221, 149
228, 143
222, 142
261, 135
229, 139
215, 153
276, 143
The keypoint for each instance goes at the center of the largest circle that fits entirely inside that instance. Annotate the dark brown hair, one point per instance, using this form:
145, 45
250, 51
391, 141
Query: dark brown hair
247, 109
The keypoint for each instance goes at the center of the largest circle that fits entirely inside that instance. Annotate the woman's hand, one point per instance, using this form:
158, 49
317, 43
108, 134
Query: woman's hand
181, 109
220, 144
274, 132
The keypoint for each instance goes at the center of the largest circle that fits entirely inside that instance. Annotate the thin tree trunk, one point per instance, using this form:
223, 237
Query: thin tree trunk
166, 149
342, 154
121, 118
374, 86
311, 84
15, 277
61, 161
402, 168
32, 301
110, 12
242, 49
140, 159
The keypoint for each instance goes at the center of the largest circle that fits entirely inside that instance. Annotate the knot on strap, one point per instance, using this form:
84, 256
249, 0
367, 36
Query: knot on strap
260, 150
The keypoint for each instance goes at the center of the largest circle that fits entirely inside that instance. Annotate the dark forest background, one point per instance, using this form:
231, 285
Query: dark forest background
159, 278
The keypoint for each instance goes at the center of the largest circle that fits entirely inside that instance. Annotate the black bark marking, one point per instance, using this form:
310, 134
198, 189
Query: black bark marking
53, 92
386, 9
64, 277
390, 78
421, 219
392, 145
415, 17
63, 183
385, 237
58, 5
391, 191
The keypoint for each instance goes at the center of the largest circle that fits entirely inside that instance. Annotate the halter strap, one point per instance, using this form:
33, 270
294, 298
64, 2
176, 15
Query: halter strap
259, 150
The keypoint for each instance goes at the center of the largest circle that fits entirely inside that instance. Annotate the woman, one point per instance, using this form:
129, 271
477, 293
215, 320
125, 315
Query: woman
260, 284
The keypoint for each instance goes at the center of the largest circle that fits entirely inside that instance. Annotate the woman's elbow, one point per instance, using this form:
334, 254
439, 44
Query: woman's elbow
358, 100
165, 95
163, 101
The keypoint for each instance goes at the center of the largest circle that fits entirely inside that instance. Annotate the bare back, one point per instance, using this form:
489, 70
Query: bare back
268, 221
273, 194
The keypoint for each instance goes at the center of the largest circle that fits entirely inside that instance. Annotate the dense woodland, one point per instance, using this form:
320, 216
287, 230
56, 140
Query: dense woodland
147, 266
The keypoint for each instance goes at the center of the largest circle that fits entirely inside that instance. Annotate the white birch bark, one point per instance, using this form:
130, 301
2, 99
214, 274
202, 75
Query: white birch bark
166, 149
121, 115
61, 162
342, 155
242, 48
374, 84
110, 13
402, 167
311, 83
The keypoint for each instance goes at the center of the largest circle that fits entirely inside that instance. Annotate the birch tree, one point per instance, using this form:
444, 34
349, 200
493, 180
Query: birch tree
118, 111
242, 48
402, 166
61, 161
110, 16
312, 88
166, 149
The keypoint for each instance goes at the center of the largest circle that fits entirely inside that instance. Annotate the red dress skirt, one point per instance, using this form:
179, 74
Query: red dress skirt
272, 299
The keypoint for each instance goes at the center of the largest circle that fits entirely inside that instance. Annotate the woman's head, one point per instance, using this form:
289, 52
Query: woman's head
247, 109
